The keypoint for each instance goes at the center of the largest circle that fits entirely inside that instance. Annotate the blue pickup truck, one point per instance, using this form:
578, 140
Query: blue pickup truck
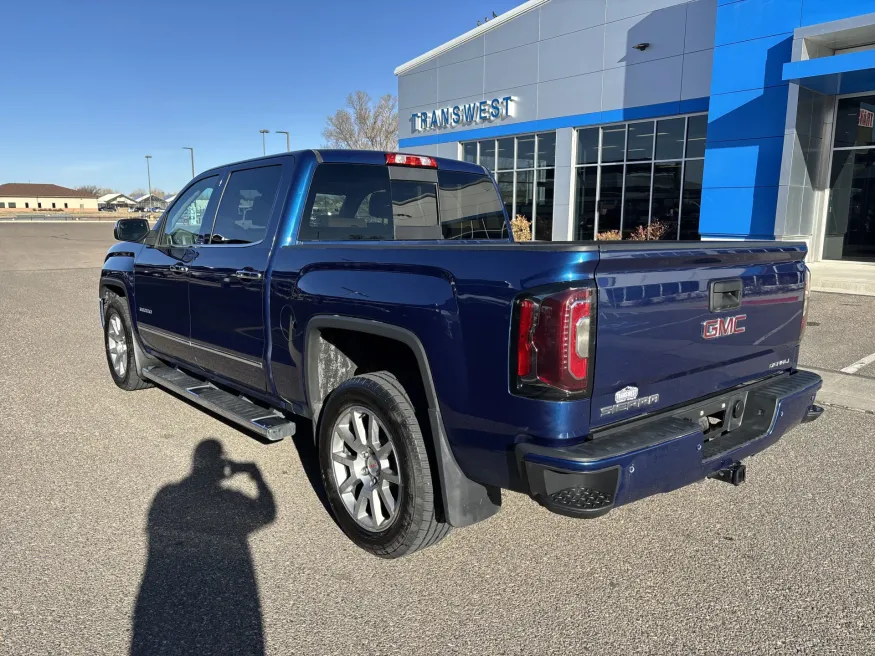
380, 298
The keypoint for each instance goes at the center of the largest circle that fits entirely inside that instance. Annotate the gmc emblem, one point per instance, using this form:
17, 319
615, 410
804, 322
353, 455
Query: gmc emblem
714, 328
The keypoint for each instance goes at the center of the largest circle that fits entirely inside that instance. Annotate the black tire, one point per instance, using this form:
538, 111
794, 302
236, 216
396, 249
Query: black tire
130, 379
416, 525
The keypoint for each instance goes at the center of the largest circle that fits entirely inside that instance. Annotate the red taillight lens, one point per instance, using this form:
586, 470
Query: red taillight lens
418, 161
553, 341
525, 349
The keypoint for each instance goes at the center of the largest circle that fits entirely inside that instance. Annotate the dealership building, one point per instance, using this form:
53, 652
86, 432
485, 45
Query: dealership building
711, 119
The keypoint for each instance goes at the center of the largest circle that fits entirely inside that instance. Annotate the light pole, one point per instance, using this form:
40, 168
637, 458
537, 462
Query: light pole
263, 145
149, 176
191, 150
288, 142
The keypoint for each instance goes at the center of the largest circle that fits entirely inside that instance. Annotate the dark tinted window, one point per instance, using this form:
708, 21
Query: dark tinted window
244, 211
640, 142
469, 152
546, 149
348, 201
352, 201
525, 152
588, 146
670, 139
854, 122
414, 209
697, 127
470, 208
613, 143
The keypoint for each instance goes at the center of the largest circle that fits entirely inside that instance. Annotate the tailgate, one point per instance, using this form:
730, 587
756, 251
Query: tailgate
677, 322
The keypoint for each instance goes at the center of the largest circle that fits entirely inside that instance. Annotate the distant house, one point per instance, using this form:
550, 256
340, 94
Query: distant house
26, 196
151, 200
116, 201
169, 199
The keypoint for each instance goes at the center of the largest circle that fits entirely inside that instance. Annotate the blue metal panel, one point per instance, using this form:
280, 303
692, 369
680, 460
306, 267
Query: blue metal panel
820, 11
748, 114
750, 64
747, 212
749, 163
856, 61
752, 19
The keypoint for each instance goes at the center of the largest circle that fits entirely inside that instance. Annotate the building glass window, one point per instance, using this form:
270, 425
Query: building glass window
2, 206
640, 177
12, 206
524, 170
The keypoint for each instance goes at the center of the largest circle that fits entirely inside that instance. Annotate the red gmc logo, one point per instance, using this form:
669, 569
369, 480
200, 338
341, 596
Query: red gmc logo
714, 328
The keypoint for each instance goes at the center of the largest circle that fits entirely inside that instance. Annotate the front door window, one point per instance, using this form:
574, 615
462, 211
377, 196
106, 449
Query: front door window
184, 221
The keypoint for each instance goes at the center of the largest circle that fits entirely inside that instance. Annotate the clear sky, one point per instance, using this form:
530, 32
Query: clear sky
89, 87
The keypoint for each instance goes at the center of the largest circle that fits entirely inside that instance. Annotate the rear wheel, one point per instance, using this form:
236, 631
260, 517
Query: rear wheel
119, 342
375, 467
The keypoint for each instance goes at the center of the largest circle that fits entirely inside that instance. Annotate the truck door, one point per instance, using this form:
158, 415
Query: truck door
228, 275
161, 272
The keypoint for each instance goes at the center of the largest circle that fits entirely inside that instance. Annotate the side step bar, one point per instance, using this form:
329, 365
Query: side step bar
269, 423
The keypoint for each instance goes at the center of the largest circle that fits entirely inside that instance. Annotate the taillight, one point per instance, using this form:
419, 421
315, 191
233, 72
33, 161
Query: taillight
554, 340
417, 161
806, 294
525, 349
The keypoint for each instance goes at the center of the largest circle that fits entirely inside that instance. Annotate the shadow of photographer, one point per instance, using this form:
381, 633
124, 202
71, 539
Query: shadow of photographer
199, 593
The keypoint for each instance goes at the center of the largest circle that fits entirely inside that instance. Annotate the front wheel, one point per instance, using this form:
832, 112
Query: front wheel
375, 467
118, 339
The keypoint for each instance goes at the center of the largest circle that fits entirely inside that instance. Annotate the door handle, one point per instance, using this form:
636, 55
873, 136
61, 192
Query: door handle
725, 295
248, 275
179, 268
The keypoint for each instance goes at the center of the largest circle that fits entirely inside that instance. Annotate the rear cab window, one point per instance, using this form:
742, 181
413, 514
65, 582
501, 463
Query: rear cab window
354, 202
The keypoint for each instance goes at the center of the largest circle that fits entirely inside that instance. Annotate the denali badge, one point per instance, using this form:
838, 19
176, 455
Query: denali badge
626, 394
631, 404
714, 328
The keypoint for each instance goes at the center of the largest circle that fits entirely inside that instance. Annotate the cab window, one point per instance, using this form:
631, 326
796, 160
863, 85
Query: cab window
246, 206
184, 219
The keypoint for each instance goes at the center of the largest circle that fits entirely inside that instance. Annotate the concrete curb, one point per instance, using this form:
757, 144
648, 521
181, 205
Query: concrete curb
846, 390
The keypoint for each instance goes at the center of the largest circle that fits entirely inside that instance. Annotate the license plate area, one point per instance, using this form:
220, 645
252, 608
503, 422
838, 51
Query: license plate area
717, 417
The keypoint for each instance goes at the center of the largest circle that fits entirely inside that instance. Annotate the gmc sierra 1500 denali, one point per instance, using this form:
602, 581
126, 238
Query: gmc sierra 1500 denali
381, 296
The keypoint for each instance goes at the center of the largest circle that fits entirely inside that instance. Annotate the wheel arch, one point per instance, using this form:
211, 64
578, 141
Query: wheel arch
463, 501
118, 287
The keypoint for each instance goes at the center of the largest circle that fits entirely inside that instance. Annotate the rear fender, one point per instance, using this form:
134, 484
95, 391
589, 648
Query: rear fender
465, 501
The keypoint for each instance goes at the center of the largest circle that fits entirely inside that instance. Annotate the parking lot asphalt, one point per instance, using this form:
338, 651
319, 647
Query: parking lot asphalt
90, 553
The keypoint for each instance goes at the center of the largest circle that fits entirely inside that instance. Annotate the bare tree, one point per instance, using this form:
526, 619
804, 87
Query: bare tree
89, 190
364, 126
94, 190
158, 192
136, 193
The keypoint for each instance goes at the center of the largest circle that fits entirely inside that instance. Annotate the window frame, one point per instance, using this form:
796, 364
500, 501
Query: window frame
625, 162
206, 237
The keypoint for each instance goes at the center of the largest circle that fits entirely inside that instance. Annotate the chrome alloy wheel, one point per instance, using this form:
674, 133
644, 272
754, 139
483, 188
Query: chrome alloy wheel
365, 468
117, 346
